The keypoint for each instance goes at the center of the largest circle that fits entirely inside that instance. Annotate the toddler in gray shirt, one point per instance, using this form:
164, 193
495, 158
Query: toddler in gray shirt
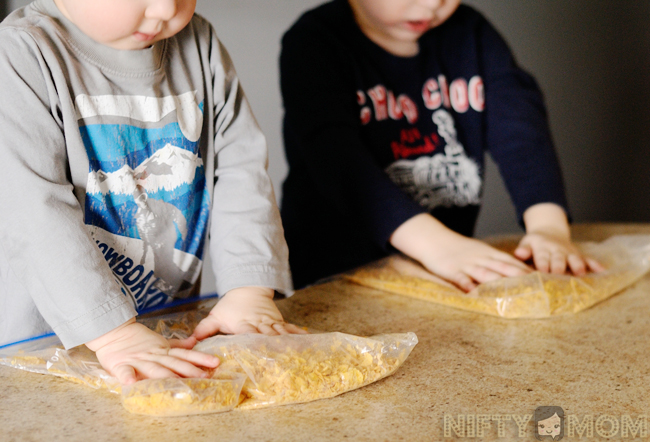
125, 141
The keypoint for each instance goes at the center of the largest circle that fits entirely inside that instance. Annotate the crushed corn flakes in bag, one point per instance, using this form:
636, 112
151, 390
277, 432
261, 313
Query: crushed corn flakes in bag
290, 369
180, 397
255, 370
536, 295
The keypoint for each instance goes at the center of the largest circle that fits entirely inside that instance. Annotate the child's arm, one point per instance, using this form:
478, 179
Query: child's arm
520, 142
133, 352
247, 244
51, 254
454, 257
548, 242
245, 310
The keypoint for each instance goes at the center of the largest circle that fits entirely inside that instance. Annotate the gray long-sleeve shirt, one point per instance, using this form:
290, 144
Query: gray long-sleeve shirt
114, 167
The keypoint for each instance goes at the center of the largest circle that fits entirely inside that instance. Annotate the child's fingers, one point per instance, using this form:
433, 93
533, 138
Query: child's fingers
246, 328
174, 364
285, 328
594, 265
523, 252
267, 329
209, 326
509, 260
483, 274
195, 357
188, 343
294, 329
577, 265
505, 265
542, 261
125, 374
154, 369
463, 281
280, 328
558, 263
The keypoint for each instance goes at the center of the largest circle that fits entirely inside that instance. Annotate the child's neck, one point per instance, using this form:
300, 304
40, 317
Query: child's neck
398, 48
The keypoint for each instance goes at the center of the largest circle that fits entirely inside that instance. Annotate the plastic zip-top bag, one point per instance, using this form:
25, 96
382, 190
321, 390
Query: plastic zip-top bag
184, 396
535, 295
289, 369
255, 370
46, 355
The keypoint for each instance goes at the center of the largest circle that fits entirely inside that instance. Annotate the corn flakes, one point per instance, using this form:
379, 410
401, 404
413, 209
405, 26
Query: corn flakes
178, 397
255, 371
535, 295
301, 368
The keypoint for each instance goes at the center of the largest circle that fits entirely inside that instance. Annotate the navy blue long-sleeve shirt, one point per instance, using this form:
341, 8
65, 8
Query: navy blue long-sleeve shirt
373, 139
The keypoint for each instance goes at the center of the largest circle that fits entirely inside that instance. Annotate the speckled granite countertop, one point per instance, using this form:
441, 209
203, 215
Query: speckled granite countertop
592, 363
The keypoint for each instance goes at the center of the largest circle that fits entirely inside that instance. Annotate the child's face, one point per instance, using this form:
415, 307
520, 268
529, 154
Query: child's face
128, 24
396, 25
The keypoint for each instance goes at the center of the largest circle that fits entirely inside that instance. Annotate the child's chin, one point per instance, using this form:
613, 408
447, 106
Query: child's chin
132, 47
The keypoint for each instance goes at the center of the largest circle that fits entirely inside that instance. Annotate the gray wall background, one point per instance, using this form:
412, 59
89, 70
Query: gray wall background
590, 57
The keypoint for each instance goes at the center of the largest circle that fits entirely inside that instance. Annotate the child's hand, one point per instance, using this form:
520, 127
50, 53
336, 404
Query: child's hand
463, 261
245, 310
133, 352
467, 262
556, 255
548, 242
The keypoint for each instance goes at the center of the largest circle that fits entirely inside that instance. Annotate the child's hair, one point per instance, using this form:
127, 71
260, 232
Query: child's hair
543, 413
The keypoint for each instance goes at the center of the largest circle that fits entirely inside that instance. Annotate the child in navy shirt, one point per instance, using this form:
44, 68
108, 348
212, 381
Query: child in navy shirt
390, 107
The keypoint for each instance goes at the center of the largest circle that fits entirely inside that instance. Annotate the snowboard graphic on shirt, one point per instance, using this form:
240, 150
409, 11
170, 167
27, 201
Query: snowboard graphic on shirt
147, 204
444, 179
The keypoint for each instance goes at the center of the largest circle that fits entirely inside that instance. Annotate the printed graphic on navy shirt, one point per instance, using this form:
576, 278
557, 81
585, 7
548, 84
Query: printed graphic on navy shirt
147, 204
433, 169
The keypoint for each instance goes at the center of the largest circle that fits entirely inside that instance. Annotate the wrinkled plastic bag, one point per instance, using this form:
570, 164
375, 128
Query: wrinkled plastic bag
291, 369
255, 370
154, 397
47, 356
184, 396
536, 295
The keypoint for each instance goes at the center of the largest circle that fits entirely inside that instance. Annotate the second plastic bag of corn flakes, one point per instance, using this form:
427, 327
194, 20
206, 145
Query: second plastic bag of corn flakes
536, 295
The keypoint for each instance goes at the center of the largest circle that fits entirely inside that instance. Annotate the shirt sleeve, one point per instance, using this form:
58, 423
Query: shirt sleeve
322, 118
42, 231
247, 242
518, 134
